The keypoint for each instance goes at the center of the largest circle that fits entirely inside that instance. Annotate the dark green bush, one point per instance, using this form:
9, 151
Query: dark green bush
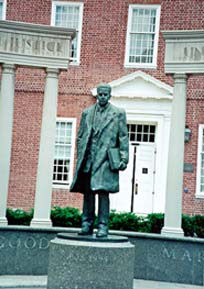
155, 222
19, 217
65, 217
124, 221
188, 225
198, 221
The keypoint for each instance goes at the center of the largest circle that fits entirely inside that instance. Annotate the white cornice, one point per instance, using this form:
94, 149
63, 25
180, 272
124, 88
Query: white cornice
182, 34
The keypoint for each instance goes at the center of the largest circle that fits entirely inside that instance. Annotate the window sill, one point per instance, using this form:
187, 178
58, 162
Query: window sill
60, 187
199, 196
74, 64
142, 66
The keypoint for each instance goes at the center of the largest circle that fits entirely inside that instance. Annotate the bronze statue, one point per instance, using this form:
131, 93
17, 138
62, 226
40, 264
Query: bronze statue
102, 150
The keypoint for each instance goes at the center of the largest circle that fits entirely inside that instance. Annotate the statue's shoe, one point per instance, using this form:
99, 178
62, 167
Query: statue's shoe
86, 229
102, 231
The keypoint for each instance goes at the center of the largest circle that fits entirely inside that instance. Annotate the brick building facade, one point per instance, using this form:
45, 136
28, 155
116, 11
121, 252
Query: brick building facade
103, 54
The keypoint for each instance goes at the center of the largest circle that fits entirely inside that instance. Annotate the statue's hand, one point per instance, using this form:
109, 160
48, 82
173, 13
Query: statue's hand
122, 166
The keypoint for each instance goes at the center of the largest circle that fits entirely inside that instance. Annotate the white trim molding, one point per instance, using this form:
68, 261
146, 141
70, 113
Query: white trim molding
199, 194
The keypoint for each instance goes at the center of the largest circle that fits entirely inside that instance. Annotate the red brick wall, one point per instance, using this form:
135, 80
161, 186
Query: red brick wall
102, 59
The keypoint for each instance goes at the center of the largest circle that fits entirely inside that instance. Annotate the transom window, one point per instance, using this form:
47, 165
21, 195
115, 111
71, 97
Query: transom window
64, 150
69, 15
141, 133
2, 9
142, 35
200, 163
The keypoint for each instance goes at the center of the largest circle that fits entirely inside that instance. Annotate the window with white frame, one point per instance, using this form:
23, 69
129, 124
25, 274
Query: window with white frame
2, 9
64, 151
142, 36
69, 15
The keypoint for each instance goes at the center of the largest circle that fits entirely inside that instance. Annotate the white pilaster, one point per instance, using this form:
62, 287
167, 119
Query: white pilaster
6, 124
174, 189
43, 194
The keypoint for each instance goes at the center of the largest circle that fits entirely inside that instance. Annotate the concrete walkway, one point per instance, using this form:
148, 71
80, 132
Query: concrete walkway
38, 282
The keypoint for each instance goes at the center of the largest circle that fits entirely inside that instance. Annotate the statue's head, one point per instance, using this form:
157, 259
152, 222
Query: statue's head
103, 93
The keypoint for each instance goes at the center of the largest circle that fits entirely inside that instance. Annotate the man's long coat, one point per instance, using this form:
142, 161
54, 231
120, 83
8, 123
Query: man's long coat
112, 134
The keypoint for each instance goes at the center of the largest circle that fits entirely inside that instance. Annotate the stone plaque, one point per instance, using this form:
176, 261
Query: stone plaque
35, 45
184, 51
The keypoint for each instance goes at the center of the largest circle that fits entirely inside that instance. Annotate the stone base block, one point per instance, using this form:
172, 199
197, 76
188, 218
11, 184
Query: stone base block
41, 223
78, 262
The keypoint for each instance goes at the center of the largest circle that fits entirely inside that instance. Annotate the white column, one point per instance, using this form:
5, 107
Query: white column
6, 124
174, 189
43, 194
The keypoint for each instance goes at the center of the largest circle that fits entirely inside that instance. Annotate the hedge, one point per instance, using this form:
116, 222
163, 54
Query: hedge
193, 226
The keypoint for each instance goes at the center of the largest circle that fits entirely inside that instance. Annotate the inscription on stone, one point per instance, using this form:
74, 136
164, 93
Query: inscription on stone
32, 45
90, 259
193, 53
186, 53
27, 243
183, 255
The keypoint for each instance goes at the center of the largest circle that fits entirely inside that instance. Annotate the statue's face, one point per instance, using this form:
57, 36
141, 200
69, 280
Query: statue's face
103, 96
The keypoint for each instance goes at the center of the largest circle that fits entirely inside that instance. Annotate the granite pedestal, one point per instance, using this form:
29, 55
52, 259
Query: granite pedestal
78, 262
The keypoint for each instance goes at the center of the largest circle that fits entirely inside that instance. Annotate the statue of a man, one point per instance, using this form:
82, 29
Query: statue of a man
102, 150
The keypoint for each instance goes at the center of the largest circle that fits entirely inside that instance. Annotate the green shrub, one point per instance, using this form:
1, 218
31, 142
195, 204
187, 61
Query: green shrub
198, 221
188, 225
155, 222
65, 217
128, 222
18, 217
123, 221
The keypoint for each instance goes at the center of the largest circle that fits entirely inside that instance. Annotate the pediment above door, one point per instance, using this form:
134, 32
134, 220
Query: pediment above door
139, 85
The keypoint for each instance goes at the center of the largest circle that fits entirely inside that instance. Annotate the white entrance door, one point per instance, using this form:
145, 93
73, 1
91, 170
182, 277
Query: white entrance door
143, 194
137, 181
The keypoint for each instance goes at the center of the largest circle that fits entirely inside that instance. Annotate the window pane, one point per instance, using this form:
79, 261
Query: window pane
62, 152
63, 133
67, 16
61, 171
143, 20
141, 132
141, 48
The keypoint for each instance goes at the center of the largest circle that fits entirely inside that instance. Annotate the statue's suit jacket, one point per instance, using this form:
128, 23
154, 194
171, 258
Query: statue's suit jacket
112, 134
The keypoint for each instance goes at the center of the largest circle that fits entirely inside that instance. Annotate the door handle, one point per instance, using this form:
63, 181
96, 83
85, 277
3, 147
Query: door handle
136, 189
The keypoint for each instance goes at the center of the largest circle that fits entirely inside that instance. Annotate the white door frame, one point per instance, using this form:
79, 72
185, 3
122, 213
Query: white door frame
161, 142
158, 113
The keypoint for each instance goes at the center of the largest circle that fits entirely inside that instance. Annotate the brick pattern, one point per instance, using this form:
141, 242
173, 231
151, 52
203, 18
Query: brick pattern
102, 60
